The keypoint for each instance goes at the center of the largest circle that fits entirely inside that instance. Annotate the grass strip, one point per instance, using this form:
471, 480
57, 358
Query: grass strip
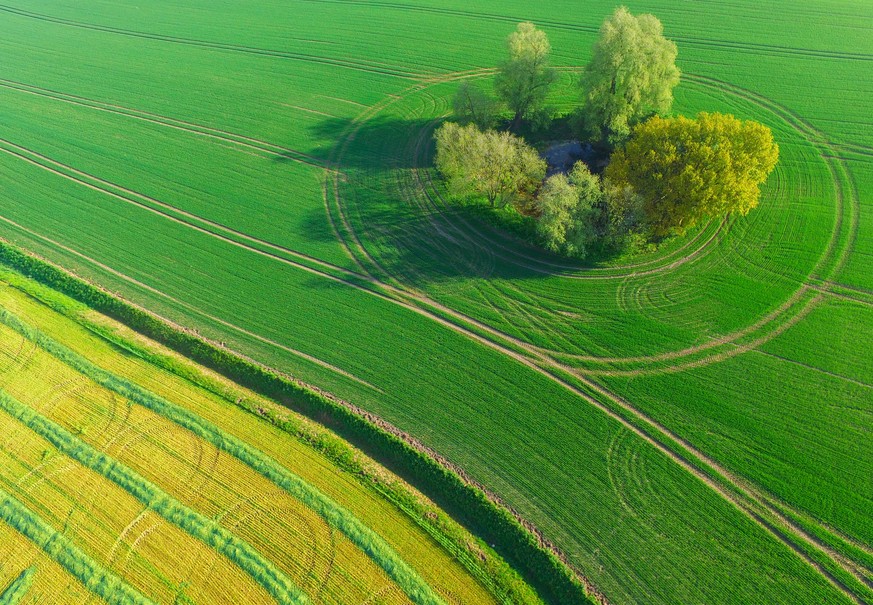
193, 523
336, 516
61, 550
19, 587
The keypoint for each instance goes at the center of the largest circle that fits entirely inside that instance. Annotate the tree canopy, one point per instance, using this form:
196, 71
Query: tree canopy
523, 80
472, 106
630, 77
497, 165
569, 206
687, 169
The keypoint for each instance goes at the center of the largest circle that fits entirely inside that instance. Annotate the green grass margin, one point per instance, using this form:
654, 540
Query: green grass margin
62, 551
522, 547
19, 587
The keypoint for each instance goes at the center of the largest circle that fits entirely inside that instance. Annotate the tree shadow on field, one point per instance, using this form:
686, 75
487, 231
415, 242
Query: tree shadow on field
400, 212
367, 143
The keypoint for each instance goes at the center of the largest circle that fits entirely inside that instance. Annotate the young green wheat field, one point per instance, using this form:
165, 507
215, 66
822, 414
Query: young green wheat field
692, 424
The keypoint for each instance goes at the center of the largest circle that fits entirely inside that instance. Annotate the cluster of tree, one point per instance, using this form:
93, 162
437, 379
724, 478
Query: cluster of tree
630, 78
664, 175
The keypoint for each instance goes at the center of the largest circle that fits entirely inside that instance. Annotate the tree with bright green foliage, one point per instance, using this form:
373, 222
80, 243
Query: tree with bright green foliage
688, 169
630, 77
495, 165
472, 106
569, 207
523, 81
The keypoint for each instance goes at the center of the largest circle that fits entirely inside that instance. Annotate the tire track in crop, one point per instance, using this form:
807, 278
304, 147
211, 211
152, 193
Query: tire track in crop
238, 552
858, 295
355, 249
117, 445
815, 369
607, 409
782, 524
271, 150
164, 214
814, 138
477, 234
836, 253
350, 279
695, 254
751, 47
364, 66
283, 512
529, 363
365, 257
359, 534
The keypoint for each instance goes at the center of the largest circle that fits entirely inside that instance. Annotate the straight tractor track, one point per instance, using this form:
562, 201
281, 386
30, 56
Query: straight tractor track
364, 66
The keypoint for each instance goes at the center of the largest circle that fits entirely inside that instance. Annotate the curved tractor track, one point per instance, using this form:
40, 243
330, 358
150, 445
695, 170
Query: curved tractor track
778, 518
486, 242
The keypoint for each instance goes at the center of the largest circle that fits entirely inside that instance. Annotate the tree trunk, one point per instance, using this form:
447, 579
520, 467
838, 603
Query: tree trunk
516, 121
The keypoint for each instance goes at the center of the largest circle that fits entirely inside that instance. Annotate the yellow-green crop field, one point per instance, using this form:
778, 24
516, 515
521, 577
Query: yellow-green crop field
122, 481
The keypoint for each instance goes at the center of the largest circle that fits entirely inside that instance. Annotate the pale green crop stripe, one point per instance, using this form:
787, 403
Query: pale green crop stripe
58, 547
208, 531
418, 591
19, 587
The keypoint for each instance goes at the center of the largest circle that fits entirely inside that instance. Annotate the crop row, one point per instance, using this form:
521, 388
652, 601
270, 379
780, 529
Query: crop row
495, 524
59, 548
19, 587
368, 541
205, 530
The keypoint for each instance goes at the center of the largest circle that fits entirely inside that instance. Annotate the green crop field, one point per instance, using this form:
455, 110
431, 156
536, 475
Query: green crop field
692, 424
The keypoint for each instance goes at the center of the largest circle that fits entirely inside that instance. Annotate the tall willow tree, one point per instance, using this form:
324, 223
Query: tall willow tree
523, 81
630, 77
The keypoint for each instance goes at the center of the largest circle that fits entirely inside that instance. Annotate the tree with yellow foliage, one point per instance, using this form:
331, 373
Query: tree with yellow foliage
688, 169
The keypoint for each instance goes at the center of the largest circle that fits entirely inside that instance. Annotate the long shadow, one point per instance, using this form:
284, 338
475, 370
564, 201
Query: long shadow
408, 224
